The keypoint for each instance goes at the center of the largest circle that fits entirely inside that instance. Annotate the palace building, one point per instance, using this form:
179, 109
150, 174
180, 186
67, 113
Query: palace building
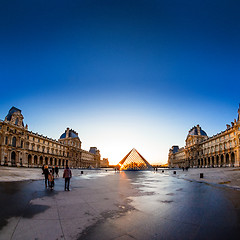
220, 150
21, 147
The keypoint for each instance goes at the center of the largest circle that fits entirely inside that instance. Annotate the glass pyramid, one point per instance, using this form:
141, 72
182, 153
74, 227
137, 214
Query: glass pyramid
134, 161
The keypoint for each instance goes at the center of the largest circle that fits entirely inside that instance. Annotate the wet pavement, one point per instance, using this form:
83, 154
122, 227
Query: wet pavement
126, 205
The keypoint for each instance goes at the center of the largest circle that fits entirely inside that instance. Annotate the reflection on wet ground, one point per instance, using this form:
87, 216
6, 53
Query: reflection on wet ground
172, 208
16, 196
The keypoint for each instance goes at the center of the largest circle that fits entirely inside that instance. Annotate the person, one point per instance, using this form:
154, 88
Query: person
56, 171
51, 179
46, 173
53, 170
67, 174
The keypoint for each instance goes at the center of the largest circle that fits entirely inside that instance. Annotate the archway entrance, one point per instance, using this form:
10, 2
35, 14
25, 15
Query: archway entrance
227, 158
213, 161
29, 160
13, 159
232, 158
35, 160
222, 159
41, 160
217, 161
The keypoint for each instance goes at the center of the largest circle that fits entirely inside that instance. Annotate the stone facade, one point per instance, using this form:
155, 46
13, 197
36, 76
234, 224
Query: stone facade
21, 147
220, 150
104, 162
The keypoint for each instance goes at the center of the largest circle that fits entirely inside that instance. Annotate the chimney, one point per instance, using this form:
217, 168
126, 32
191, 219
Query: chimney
199, 129
228, 126
67, 133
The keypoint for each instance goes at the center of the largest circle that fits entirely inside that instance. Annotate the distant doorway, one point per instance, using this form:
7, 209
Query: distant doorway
13, 159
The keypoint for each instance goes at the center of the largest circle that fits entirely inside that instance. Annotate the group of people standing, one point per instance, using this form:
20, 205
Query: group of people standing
49, 176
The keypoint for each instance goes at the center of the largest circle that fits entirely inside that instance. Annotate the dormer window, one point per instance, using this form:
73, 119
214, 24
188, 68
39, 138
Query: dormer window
16, 122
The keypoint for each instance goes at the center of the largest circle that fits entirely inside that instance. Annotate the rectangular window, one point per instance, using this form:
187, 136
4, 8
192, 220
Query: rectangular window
6, 140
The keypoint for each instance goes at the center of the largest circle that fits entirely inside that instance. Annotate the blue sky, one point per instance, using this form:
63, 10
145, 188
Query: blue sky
123, 74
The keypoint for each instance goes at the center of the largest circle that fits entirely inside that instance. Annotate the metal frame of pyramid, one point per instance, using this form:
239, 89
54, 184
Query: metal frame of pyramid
134, 161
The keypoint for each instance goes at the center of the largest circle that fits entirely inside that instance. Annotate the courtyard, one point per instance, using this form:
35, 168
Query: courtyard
121, 205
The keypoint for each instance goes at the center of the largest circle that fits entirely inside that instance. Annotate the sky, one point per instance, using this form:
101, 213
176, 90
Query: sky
123, 73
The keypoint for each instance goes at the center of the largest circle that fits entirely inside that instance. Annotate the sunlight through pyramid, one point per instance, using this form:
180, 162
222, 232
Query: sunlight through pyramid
134, 161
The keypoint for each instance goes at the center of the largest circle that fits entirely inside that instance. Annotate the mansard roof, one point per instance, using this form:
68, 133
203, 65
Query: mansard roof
72, 134
11, 111
197, 131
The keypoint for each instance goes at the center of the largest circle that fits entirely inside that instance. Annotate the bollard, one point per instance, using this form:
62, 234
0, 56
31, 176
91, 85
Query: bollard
162, 170
174, 172
81, 172
201, 175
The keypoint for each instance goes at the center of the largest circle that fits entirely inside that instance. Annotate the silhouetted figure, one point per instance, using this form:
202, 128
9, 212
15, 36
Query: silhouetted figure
183, 168
67, 174
46, 173
56, 171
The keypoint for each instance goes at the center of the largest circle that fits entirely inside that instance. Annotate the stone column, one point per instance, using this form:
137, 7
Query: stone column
237, 157
9, 158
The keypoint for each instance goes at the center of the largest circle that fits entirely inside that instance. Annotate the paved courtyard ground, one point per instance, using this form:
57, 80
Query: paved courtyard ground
127, 205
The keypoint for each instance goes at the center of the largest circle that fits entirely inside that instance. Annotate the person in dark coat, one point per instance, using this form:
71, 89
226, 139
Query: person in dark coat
46, 173
56, 171
67, 174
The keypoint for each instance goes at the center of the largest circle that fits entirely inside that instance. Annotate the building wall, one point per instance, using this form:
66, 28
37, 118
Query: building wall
21, 147
220, 150
104, 162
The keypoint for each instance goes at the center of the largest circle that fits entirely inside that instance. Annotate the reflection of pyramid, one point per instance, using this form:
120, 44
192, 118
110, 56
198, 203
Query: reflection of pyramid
134, 161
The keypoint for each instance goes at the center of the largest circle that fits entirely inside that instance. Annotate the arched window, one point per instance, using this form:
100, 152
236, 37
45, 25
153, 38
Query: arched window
14, 141
6, 140
16, 122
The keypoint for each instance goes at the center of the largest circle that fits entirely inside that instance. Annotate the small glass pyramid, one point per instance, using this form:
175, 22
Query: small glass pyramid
134, 161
